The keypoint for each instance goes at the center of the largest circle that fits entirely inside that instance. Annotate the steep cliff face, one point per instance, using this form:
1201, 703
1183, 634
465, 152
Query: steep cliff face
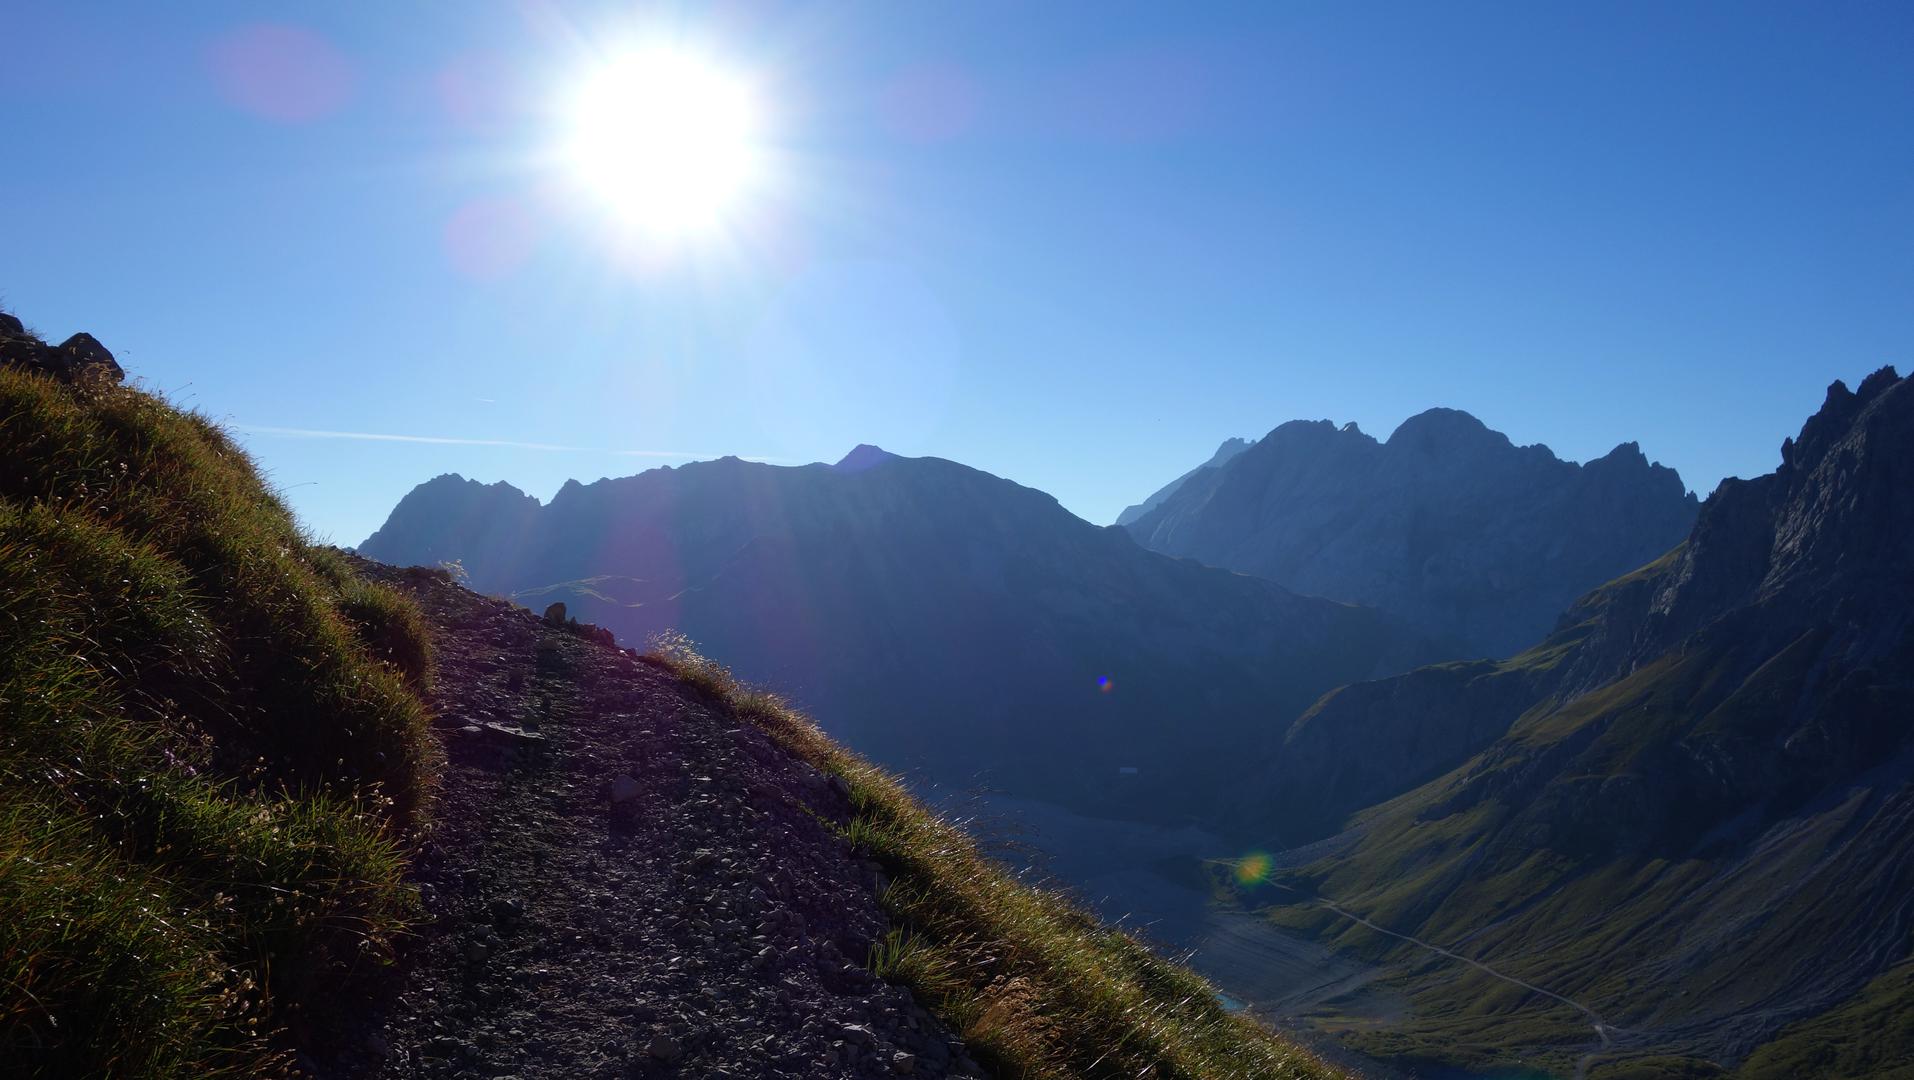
940, 617
1446, 524
1698, 820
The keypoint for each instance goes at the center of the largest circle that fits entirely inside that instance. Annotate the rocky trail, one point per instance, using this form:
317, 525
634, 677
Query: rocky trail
626, 881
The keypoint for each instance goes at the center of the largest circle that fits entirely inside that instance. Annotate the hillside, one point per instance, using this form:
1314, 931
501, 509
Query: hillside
1446, 523
646, 868
210, 742
938, 618
244, 775
1695, 821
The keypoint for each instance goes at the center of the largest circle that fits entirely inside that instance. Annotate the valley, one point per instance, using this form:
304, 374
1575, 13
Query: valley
1423, 895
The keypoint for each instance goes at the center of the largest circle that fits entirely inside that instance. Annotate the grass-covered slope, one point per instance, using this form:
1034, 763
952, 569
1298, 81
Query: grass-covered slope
208, 744
1036, 986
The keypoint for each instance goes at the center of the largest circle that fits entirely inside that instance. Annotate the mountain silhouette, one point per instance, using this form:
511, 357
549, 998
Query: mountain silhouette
936, 617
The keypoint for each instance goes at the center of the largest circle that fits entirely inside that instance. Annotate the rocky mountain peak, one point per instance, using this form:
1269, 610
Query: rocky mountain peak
1230, 448
1835, 508
448, 517
1441, 431
1448, 523
1836, 415
863, 456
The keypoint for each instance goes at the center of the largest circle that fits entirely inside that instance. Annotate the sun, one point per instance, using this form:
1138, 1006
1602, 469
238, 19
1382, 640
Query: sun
666, 138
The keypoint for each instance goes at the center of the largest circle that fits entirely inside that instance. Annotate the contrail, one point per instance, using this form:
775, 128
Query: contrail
443, 440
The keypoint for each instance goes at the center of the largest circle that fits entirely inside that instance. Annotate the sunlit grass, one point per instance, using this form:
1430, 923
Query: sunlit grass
209, 748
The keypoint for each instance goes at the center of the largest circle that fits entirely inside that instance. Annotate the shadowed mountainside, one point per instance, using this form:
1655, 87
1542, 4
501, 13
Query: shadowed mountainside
1697, 819
940, 617
1447, 524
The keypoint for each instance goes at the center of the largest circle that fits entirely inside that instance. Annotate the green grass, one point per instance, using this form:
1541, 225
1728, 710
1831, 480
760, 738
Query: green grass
1870, 1035
210, 745
1034, 985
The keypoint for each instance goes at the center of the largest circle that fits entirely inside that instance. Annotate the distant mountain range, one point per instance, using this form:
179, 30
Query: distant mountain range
1690, 809
934, 616
1675, 835
1447, 524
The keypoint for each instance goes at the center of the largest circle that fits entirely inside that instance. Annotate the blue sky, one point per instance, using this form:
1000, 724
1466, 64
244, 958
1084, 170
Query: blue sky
1074, 245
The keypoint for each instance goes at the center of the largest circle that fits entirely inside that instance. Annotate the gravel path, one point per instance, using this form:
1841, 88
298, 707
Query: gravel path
626, 882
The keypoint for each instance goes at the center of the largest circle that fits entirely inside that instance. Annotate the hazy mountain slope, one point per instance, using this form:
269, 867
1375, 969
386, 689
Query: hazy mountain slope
485, 523
1701, 826
1446, 524
937, 616
1229, 449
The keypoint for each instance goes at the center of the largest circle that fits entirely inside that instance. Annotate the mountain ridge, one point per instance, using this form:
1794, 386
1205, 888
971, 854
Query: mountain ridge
1446, 523
811, 577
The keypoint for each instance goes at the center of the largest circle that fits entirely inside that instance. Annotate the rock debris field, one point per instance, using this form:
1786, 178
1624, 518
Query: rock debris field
625, 881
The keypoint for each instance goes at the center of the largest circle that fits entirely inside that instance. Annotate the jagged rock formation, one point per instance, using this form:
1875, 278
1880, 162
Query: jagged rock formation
449, 518
935, 616
1698, 817
1446, 524
1229, 449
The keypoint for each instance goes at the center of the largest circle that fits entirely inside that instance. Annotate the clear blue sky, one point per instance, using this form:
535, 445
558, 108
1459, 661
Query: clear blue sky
1074, 245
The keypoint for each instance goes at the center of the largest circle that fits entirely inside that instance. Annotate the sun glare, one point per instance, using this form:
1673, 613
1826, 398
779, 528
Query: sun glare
667, 139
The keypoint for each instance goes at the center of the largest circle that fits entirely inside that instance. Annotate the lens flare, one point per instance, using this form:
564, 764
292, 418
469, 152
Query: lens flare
1253, 869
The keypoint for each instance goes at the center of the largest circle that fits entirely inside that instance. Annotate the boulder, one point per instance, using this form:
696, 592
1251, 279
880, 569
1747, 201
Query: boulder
84, 353
664, 1048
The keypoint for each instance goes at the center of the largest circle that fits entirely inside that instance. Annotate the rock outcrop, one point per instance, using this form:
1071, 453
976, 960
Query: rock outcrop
1447, 524
78, 357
